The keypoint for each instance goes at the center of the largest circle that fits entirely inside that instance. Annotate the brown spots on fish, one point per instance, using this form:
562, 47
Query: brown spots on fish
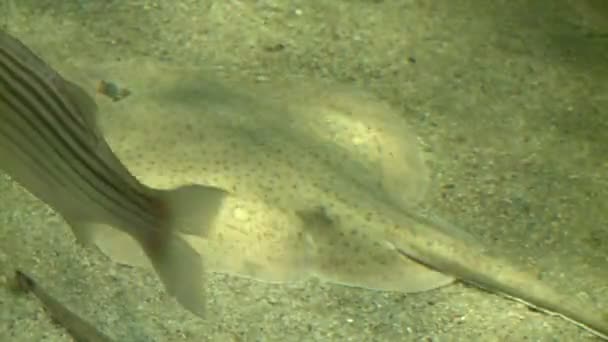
317, 217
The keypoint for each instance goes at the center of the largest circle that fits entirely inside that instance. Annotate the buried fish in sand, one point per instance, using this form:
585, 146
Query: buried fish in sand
322, 185
51, 145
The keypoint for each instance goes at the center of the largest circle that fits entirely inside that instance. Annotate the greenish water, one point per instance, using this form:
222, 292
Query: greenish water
509, 104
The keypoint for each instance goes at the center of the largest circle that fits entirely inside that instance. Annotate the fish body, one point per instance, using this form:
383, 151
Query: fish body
304, 205
51, 145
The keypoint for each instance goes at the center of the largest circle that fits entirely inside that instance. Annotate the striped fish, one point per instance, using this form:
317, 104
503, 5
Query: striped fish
51, 145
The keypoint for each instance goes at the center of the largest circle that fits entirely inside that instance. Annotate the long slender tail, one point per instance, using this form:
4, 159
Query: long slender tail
472, 265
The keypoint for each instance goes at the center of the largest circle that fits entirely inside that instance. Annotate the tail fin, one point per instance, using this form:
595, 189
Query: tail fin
190, 209
180, 269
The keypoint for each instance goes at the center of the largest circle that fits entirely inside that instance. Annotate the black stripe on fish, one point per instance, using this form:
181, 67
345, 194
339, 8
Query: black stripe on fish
43, 99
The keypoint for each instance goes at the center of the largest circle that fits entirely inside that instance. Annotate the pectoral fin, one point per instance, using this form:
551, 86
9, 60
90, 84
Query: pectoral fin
344, 256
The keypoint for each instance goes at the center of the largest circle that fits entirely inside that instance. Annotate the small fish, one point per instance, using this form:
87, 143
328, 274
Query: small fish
77, 327
112, 90
50, 143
